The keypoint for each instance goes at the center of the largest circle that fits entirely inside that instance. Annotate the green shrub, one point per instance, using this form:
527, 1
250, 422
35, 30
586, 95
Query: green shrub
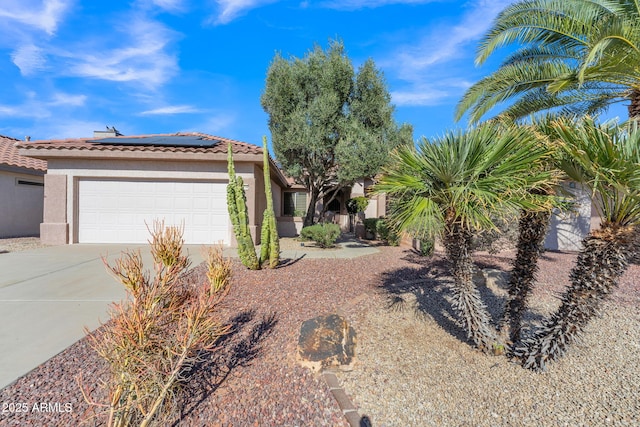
370, 225
385, 233
325, 235
357, 204
381, 230
427, 245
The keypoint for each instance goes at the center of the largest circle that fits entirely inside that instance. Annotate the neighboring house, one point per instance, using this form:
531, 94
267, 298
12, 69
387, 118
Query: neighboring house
21, 191
105, 189
568, 229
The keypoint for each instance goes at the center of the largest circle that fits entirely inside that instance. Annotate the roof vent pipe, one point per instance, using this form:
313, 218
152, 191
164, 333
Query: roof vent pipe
111, 132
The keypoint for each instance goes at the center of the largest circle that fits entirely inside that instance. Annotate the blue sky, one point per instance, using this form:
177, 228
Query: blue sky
69, 67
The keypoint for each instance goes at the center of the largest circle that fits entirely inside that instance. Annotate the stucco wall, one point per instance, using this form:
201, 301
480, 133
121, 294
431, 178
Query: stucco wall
21, 206
567, 229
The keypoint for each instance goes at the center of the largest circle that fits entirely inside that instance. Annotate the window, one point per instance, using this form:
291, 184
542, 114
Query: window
31, 183
295, 204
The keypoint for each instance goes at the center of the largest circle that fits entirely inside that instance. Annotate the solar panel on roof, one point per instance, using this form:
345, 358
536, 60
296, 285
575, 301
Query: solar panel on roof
167, 141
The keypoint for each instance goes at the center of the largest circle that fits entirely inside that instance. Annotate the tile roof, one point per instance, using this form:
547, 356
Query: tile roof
9, 156
90, 144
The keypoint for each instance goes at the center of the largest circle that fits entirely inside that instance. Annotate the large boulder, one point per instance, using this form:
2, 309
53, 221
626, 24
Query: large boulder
326, 342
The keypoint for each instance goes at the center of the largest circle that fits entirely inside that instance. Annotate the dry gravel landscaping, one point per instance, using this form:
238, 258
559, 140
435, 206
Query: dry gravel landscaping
414, 366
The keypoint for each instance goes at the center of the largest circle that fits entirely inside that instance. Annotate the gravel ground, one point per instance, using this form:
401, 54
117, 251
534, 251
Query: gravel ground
15, 244
414, 367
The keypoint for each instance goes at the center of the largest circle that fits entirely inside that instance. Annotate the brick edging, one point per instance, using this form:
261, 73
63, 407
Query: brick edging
346, 405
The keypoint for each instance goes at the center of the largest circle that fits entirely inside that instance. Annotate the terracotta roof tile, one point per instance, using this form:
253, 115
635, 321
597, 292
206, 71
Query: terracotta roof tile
9, 156
90, 145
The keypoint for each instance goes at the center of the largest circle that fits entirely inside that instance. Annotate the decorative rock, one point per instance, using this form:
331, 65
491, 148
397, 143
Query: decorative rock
326, 342
491, 278
496, 278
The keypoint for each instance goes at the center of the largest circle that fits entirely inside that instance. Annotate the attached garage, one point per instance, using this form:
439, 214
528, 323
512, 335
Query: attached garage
118, 211
107, 189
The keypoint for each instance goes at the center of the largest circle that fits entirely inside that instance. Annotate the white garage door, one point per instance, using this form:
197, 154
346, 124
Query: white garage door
115, 211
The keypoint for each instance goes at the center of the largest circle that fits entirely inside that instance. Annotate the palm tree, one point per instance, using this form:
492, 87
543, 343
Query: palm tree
577, 55
532, 230
450, 186
605, 159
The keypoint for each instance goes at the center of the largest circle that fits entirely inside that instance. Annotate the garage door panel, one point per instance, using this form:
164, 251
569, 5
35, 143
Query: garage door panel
118, 211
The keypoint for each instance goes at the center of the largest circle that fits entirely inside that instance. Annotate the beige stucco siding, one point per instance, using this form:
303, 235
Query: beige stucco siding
21, 205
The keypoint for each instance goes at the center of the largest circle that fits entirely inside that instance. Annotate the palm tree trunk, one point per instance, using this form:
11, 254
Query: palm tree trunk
603, 259
532, 229
634, 107
471, 311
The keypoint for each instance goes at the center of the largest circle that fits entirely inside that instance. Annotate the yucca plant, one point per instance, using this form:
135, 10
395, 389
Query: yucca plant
606, 160
159, 332
450, 187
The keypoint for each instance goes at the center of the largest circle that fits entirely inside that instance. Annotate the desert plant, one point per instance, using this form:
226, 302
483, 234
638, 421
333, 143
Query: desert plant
158, 333
386, 233
270, 249
576, 56
357, 204
427, 246
450, 187
324, 234
606, 160
371, 226
237, 206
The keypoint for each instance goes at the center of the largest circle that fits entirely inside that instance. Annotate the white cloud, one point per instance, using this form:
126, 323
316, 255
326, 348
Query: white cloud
172, 109
361, 4
38, 107
418, 97
69, 128
144, 58
216, 124
29, 59
446, 44
170, 5
428, 69
232, 9
61, 98
44, 15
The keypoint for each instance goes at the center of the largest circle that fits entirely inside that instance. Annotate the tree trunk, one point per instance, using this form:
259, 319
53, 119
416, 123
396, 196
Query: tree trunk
532, 229
603, 259
311, 209
471, 311
634, 107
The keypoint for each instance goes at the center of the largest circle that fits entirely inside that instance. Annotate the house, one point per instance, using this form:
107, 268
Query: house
108, 188
21, 191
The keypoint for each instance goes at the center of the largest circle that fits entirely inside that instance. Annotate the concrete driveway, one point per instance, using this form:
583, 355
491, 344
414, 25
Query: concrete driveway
48, 295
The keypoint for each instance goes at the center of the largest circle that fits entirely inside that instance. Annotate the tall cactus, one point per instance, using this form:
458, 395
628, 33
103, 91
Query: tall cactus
270, 249
237, 206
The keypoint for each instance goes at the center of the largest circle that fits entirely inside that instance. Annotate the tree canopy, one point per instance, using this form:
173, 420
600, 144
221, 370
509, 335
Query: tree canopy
578, 56
329, 124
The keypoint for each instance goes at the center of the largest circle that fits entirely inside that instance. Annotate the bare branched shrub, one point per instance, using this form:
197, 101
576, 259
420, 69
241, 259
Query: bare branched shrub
156, 336
218, 268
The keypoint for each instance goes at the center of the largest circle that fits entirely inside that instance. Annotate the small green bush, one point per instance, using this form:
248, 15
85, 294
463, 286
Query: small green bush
370, 225
427, 245
325, 235
385, 233
381, 230
357, 204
